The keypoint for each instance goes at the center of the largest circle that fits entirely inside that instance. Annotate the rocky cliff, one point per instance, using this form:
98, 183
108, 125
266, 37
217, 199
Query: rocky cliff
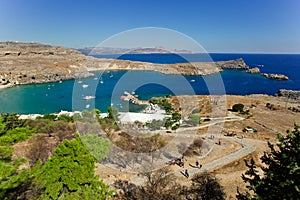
22, 63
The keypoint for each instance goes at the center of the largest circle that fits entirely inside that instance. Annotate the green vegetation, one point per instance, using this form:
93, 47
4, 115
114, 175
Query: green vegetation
50, 117
96, 145
173, 121
113, 112
12, 179
13, 130
65, 118
238, 107
9, 122
194, 120
163, 102
281, 173
69, 174
155, 124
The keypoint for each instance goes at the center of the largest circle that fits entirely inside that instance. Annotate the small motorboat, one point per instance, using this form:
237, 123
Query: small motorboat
89, 97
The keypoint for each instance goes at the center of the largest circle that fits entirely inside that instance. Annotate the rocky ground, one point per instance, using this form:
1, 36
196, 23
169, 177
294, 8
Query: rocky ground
226, 160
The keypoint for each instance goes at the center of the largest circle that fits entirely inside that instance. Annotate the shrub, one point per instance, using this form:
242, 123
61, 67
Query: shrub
237, 107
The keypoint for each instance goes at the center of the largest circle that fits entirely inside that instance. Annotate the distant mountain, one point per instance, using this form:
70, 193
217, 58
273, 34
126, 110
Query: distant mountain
111, 50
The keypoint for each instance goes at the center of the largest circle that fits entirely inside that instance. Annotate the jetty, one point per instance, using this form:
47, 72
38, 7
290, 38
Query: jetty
133, 98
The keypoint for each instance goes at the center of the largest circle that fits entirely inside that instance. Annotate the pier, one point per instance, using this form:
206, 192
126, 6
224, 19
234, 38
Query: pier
133, 99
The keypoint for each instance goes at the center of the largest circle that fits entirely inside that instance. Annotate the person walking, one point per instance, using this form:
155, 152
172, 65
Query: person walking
186, 173
197, 163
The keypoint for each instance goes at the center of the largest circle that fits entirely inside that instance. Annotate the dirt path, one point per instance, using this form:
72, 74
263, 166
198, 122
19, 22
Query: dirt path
247, 148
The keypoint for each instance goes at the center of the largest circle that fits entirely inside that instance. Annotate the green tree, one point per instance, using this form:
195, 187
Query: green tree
194, 120
69, 174
96, 145
156, 124
65, 118
238, 107
13, 182
112, 112
10, 121
281, 174
16, 135
176, 116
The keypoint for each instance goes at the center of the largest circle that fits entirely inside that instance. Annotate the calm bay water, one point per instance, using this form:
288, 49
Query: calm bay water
53, 97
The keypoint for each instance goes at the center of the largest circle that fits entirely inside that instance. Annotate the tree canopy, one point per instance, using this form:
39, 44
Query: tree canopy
96, 145
69, 174
281, 175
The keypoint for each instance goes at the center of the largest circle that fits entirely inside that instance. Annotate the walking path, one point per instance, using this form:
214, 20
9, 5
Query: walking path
247, 148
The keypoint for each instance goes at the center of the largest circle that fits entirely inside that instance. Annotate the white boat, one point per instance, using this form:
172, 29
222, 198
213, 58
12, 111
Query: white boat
192, 81
79, 81
85, 85
87, 106
89, 97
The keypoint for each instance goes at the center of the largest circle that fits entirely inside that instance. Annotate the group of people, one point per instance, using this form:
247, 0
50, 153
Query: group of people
186, 173
180, 162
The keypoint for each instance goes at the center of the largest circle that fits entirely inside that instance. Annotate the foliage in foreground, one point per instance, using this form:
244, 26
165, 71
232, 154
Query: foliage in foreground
162, 185
12, 179
69, 174
281, 176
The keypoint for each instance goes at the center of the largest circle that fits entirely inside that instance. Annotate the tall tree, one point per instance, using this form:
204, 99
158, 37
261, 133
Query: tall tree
281, 176
69, 174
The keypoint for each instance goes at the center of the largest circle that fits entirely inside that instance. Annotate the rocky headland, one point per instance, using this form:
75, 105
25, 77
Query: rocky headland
256, 70
27, 63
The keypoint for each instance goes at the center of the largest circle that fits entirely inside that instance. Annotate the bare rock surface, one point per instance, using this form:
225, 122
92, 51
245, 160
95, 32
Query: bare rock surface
254, 70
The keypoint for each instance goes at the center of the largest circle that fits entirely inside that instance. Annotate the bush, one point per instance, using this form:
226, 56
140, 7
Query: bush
238, 107
194, 120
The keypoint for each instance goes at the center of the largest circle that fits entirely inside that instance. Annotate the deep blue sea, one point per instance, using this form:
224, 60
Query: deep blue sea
53, 97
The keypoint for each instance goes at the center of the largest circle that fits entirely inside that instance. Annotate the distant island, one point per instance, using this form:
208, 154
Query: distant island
140, 50
29, 63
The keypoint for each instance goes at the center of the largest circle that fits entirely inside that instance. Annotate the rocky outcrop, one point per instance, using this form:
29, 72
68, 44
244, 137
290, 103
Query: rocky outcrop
276, 76
254, 70
291, 94
233, 64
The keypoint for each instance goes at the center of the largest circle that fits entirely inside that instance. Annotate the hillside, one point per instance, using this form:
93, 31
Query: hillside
25, 63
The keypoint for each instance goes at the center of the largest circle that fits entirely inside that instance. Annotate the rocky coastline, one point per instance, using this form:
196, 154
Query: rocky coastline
31, 63
256, 70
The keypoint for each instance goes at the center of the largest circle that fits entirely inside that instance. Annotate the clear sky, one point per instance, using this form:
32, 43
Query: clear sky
261, 26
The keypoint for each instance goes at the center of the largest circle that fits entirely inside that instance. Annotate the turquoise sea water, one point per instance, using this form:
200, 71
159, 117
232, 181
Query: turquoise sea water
68, 95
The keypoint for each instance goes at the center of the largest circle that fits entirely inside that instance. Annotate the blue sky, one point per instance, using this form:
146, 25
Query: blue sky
260, 26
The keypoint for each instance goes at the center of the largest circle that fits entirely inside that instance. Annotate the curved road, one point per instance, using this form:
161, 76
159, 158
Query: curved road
246, 149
